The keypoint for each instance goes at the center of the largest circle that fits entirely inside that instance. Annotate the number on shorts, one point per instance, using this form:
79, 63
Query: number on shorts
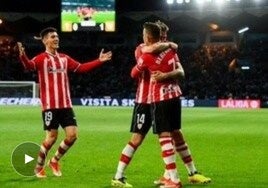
140, 118
48, 117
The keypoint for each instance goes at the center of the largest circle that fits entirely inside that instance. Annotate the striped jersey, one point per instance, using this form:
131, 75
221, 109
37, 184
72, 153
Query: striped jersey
165, 61
53, 78
142, 92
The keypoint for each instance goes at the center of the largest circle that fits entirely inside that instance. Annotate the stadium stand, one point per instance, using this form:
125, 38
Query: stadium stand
213, 62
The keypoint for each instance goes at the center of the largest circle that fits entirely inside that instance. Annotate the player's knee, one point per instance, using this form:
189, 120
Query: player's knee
51, 139
71, 137
137, 143
178, 139
177, 136
137, 139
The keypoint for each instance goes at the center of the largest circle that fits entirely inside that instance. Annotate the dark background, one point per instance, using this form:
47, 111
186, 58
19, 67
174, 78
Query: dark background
208, 77
53, 6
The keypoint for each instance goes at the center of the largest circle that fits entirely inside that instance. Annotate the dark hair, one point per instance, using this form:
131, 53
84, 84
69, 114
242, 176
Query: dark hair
163, 26
47, 30
153, 29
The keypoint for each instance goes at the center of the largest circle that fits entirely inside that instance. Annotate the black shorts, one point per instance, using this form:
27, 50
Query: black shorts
166, 115
141, 119
54, 118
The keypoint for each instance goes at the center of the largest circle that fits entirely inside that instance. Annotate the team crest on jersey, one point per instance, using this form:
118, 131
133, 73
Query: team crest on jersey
55, 70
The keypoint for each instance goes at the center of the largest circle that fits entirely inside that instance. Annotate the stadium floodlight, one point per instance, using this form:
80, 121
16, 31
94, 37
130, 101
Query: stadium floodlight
170, 2
245, 67
214, 26
187, 1
179, 1
219, 2
200, 1
243, 30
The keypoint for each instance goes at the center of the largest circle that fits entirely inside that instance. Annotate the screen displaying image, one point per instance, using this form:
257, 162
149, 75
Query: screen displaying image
87, 15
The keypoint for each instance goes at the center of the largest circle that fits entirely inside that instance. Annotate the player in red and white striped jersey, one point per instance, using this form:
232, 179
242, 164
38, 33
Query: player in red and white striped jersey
180, 143
164, 97
53, 68
143, 81
144, 77
141, 118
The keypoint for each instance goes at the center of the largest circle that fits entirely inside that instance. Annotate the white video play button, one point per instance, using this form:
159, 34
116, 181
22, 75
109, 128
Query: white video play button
27, 158
24, 158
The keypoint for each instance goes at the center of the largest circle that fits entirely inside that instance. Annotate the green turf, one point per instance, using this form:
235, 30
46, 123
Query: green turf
230, 146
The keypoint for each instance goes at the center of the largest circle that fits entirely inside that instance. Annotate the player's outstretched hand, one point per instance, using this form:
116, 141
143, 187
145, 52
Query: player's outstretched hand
105, 56
20, 48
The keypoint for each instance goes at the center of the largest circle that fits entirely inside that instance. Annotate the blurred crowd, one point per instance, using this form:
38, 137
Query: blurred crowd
212, 71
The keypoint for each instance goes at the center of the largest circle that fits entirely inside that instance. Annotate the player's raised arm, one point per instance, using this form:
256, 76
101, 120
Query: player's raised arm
105, 56
86, 67
28, 64
20, 48
159, 47
137, 70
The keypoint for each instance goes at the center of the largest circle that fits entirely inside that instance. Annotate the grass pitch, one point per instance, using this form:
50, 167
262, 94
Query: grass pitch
230, 146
